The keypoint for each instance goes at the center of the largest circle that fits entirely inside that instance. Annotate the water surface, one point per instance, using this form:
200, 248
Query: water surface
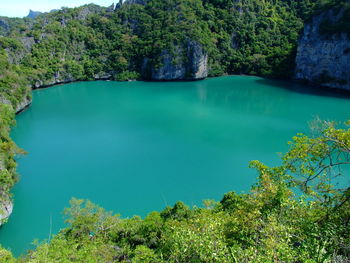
135, 147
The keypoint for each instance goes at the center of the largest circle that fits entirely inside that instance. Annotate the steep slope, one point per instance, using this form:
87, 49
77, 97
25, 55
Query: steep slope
323, 56
160, 40
33, 14
171, 40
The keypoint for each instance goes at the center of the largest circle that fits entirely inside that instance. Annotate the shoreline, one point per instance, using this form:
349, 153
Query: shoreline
311, 87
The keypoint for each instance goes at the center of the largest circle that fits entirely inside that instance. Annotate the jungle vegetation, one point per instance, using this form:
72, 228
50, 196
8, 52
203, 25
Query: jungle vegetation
268, 224
256, 37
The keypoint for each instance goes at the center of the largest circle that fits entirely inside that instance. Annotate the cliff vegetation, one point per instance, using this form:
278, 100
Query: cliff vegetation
268, 224
191, 39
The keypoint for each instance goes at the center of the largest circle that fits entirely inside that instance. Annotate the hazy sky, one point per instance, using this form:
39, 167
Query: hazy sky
20, 8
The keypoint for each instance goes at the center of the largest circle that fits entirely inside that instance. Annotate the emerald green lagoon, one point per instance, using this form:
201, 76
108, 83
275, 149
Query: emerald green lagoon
135, 147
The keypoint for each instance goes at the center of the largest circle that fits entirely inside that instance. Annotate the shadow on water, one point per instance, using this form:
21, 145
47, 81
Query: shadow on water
303, 89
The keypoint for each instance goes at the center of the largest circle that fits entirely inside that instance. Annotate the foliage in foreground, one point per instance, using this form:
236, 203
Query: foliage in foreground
268, 224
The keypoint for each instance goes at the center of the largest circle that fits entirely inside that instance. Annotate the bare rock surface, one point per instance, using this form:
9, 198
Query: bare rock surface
324, 58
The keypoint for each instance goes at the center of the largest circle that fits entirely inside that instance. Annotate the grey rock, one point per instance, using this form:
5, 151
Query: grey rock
323, 59
133, 2
102, 76
38, 84
62, 77
16, 56
119, 5
182, 63
63, 22
198, 61
33, 14
234, 42
88, 10
4, 25
56, 78
26, 102
6, 205
27, 42
6, 208
172, 66
84, 13
4, 100
110, 8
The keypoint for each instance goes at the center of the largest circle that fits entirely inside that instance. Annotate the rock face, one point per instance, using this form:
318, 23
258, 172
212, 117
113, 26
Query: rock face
15, 57
118, 5
6, 205
89, 9
62, 77
4, 26
198, 61
57, 78
324, 58
23, 104
182, 63
33, 14
110, 8
133, 2
6, 208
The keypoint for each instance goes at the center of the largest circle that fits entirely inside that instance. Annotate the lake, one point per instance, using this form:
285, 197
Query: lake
135, 147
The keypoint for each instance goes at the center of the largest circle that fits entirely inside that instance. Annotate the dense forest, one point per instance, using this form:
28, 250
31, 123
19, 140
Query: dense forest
240, 37
133, 41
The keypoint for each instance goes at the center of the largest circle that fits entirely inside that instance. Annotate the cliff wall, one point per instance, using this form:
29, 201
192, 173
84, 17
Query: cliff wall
182, 63
323, 55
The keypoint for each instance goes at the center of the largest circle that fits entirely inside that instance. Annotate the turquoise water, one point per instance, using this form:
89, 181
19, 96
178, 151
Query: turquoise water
135, 147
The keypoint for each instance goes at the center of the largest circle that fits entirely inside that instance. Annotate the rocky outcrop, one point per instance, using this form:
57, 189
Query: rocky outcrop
198, 61
16, 56
4, 100
118, 5
133, 2
65, 77
33, 14
4, 26
323, 58
6, 207
129, 2
181, 63
88, 10
25, 103
103, 76
57, 78
110, 8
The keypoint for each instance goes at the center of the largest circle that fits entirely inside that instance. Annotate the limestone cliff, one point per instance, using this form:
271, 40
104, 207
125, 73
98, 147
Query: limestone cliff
24, 103
323, 55
33, 14
5, 203
6, 207
133, 2
182, 63
4, 26
7, 170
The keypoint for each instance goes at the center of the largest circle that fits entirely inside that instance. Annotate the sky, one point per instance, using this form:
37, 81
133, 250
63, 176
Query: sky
20, 8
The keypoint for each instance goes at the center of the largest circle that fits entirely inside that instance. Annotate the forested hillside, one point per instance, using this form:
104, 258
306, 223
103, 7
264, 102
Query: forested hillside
185, 40
239, 37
